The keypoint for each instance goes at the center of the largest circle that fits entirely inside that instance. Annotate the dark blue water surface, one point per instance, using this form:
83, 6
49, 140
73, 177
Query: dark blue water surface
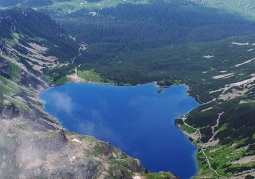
136, 119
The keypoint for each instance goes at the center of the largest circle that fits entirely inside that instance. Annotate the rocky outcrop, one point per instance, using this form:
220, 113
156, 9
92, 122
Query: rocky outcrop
3, 50
30, 80
48, 154
2, 43
9, 111
4, 67
110, 151
58, 154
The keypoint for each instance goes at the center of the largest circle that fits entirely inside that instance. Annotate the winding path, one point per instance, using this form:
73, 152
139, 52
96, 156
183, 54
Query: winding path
202, 145
81, 48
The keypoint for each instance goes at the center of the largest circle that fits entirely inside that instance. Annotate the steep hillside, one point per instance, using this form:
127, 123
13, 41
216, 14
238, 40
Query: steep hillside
32, 143
26, 51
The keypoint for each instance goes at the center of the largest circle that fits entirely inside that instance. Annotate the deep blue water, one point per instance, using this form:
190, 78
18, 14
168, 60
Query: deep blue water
136, 119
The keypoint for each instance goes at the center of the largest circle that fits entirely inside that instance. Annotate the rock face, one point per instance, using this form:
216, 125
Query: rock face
41, 153
10, 111
4, 66
30, 150
3, 50
2, 44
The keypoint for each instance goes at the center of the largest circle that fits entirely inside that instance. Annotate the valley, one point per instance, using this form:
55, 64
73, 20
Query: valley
212, 52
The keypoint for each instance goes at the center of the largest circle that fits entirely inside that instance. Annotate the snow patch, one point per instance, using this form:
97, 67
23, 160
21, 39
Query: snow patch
237, 43
76, 140
223, 76
248, 61
208, 56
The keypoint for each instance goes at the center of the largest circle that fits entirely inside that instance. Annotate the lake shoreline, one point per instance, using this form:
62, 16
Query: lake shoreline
77, 79
180, 89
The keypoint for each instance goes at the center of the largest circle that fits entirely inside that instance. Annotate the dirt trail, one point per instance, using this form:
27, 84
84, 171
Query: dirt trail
202, 145
82, 47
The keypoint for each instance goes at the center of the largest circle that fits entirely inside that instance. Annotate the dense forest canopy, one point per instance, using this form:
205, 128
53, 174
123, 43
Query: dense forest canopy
154, 25
132, 43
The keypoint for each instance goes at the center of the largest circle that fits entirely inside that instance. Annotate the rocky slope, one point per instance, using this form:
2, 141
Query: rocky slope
31, 148
32, 143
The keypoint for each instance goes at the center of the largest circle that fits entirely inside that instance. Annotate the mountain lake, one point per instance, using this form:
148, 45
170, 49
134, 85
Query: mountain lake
137, 119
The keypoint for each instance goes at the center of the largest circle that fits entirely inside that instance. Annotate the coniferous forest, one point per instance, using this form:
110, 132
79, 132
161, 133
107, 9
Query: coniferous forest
131, 43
